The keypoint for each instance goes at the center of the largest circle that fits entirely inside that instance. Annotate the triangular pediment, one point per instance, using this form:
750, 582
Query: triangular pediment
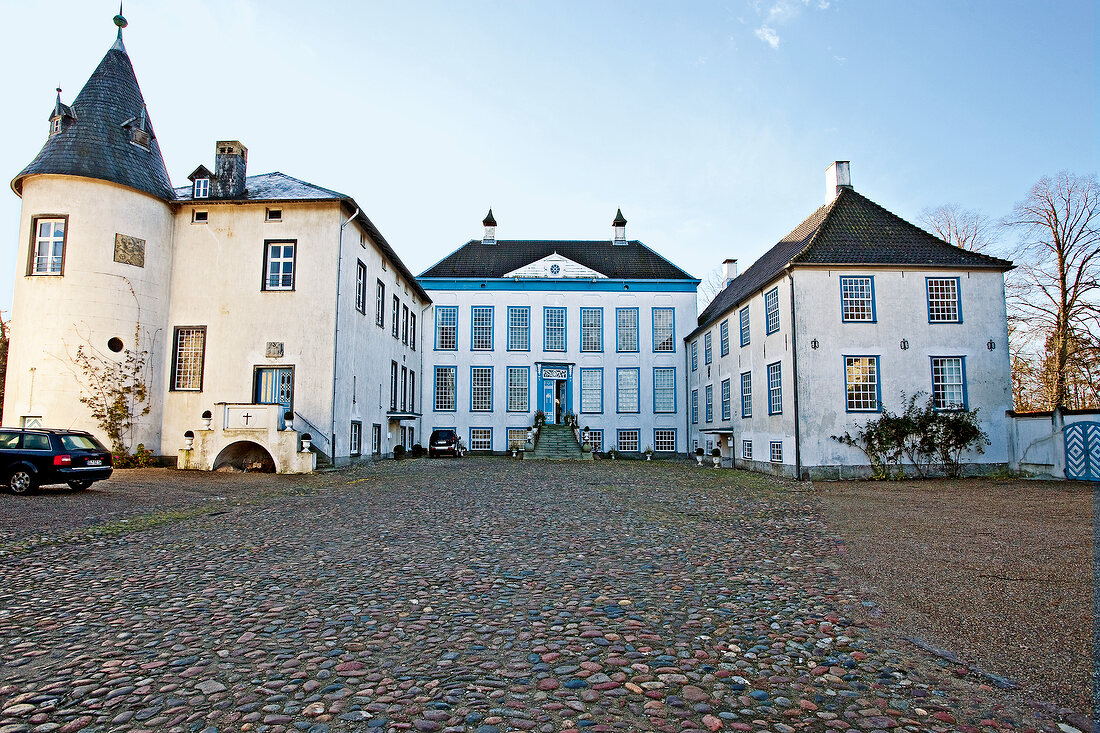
555, 266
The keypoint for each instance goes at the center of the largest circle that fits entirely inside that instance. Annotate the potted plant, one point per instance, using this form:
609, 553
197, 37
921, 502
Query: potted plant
307, 441
612, 453
398, 452
207, 416
540, 418
649, 453
514, 447
717, 457
189, 438
699, 456
586, 448
288, 419
571, 419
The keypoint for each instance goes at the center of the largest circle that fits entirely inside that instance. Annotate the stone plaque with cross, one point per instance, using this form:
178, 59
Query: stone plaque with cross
248, 417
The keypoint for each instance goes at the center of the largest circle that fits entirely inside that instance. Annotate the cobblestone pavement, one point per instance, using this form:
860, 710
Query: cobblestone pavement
483, 595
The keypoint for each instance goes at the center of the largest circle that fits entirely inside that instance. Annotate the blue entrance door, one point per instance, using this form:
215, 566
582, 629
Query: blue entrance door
548, 399
275, 386
1083, 451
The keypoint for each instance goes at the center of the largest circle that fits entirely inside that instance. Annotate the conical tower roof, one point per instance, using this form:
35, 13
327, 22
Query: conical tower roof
98, 142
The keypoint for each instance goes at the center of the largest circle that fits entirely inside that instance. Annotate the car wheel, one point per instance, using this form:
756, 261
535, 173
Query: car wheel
79, 485
21, 481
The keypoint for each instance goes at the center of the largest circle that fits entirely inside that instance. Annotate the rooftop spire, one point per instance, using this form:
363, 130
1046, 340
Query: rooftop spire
121, 23
619, 228
490, 224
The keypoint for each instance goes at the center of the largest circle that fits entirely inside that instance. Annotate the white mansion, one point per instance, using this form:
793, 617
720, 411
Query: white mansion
302, 333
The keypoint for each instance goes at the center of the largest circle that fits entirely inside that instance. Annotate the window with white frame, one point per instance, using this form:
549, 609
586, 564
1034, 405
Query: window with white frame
664, 327
393, 386
481, 389
726, 399
187, 364
279, 266
356, 439
481, 439
664, 440
412, 331
746, 450
724, 337
554, 329
405, 324
746, 394
404, 389
591, 329
376, 439
777, 451
380, 304
626, 329
361, 287
591, 390
708, 354
481, 328
948, 383
627, 384
517, 438
49, 247
412, 391
861, 383
445, 388
694, 407
518, 389
664, 389
771, 311
943, 300
396, 329
708, 402
743, 317
519, 328
857, 299
201, 188
775, 388
628, 441
695, 355
595, 439
446, 327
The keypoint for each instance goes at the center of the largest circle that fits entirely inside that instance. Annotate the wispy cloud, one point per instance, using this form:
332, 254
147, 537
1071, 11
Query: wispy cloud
779, 12
767, 35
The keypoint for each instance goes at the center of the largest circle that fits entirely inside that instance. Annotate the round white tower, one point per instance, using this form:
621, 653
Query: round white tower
94, 260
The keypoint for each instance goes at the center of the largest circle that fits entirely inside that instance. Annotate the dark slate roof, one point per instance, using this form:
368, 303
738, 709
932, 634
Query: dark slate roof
273, 187
630, 261
94, 143
849, 230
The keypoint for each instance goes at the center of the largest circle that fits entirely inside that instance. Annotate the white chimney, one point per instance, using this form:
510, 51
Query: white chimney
837, 176
729, 271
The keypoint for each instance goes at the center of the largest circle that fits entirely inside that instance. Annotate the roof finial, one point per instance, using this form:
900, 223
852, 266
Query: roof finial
121, 23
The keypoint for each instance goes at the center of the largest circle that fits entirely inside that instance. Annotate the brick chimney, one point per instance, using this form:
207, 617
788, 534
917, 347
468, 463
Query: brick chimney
837, 177
230, 160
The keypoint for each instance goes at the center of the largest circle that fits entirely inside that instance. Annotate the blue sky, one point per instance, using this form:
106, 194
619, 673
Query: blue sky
710, 123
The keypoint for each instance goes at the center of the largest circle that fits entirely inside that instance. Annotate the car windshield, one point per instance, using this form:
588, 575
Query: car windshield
80, 442
443, 435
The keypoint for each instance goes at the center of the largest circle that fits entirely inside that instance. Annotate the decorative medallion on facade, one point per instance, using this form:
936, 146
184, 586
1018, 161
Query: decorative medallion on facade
129, 250
556, 266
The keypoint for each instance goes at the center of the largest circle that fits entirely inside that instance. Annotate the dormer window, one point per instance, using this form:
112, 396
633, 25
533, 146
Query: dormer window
140, 137
274, 215
201, 188
55, 125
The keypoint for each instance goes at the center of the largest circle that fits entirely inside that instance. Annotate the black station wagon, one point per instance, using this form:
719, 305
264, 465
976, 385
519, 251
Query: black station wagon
30, 458
444, 442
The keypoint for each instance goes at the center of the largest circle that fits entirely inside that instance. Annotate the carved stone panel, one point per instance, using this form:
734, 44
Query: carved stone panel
274, 349
129, 250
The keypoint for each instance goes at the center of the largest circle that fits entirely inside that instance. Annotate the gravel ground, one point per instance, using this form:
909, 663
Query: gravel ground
998, 572
473, 596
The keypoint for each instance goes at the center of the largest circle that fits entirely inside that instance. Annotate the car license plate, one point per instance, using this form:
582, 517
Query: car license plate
95, 461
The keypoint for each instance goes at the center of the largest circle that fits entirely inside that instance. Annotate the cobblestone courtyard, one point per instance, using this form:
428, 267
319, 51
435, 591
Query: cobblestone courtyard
479, 595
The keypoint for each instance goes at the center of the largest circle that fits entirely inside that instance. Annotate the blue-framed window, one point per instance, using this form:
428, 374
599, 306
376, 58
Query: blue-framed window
949, 382
707, 351
517, 437
591, 329
481, 439
445, 400
944, 300
743, 317
446, 327
628, 441
694, 407
553, 336
592, 390
519, 389
775, 388
862, 389
664, 389
695, 355
481, 389
627, 388
746, 394
481, 328
626, 329
664, 440
771, 311
857, 299
664, 329
595, 439
726, 399
519, 328
708, 401
724, 338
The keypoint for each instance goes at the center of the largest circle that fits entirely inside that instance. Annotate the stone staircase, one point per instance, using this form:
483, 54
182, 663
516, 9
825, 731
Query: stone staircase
557, 443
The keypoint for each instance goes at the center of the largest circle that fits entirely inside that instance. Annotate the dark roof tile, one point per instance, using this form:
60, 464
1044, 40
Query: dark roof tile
630, 261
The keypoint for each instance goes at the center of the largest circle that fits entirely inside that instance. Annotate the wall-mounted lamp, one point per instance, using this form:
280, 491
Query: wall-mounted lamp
814, 344
991, 345
905, 344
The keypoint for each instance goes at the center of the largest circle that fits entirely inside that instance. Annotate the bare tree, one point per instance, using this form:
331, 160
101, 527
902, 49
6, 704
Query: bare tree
712, 284
964, 228
1057, 286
